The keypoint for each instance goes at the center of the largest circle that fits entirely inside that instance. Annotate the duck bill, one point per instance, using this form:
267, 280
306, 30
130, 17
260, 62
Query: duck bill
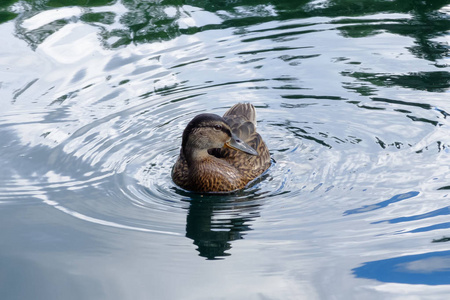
238, 144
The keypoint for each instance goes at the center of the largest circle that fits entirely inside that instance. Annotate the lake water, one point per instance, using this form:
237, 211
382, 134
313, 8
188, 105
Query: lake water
353, 100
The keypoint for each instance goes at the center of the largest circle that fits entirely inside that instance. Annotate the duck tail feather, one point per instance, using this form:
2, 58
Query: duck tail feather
246, 110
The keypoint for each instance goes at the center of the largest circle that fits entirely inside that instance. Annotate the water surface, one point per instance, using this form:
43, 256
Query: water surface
352, 99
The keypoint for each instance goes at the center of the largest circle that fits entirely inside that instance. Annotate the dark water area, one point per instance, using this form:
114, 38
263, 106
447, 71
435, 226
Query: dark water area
352, 99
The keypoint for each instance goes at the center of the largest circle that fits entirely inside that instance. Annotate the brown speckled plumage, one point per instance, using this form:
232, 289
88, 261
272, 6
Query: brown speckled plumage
210, 165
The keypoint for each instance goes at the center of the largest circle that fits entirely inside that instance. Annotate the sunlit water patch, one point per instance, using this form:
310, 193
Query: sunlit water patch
352, 104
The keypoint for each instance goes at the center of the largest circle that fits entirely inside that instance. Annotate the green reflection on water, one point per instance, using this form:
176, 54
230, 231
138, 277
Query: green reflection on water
5, 14
83, 3
159, 20
149, 21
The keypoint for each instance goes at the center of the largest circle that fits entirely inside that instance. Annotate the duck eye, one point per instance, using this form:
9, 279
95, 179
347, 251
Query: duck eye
217, 127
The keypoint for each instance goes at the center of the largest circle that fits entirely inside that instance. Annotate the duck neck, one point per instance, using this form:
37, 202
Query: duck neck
196, 156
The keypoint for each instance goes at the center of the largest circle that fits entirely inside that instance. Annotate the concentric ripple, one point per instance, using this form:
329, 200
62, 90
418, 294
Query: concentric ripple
128, 157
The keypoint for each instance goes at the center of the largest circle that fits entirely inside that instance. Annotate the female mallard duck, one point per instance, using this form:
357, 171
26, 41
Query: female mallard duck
221, 154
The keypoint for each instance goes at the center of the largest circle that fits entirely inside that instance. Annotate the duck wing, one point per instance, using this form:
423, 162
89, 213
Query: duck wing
242, 120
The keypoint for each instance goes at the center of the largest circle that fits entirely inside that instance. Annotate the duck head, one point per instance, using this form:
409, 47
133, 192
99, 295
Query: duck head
209, 131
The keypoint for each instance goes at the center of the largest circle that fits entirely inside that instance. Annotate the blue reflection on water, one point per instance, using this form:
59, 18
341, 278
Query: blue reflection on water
429, 268
432, 227
438, 212
396, 198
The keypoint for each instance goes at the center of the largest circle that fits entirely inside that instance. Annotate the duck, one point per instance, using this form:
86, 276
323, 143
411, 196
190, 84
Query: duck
221, 154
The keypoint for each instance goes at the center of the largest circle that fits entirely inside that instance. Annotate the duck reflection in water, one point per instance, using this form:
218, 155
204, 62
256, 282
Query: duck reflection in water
214, 221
